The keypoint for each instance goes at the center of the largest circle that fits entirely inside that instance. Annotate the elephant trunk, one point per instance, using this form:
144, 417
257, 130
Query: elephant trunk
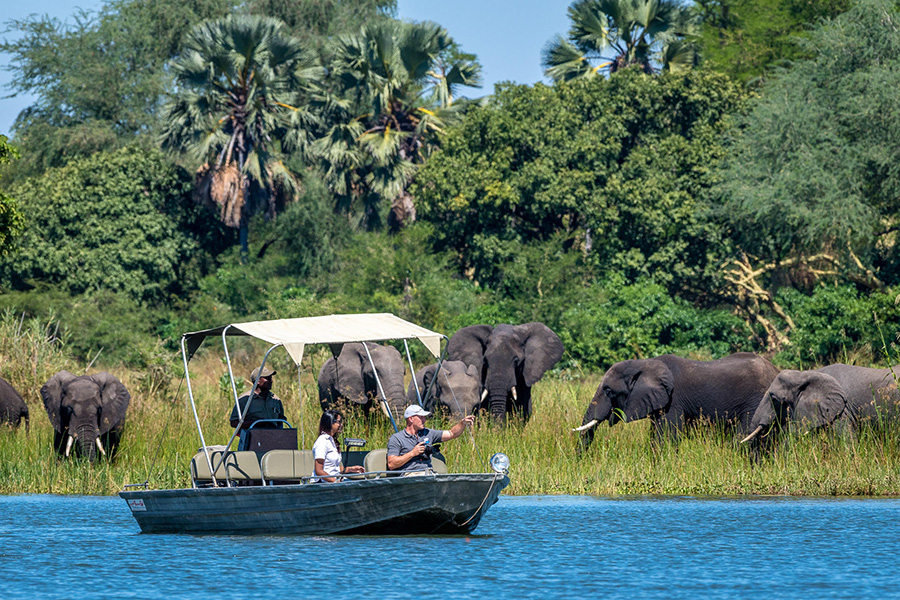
87, 442
497, 397
599, 410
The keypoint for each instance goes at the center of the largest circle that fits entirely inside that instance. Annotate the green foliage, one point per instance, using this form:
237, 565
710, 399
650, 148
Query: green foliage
118, 221
747, 38
393, 85
237, 114
615, 321
609, 35
100, 80
618, 166
815, 169
97, 81
839, 324
11, 220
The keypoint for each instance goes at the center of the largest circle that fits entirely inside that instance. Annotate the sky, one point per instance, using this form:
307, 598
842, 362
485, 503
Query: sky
506, 35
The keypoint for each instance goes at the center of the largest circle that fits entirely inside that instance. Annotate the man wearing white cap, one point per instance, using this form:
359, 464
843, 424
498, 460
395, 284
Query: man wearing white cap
409, 448
261, 404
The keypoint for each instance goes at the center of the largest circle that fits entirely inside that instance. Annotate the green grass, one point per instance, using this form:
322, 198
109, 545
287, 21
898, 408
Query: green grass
624, 459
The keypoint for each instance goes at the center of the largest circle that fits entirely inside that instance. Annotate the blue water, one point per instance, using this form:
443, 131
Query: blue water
526, 547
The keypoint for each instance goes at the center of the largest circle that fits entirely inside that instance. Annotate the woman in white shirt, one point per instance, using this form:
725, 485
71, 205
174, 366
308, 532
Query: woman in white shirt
325, 449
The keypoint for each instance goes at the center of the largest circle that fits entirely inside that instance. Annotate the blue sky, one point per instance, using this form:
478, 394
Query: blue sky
507, 35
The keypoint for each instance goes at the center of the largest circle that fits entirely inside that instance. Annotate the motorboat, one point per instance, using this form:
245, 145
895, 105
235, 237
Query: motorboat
268, 489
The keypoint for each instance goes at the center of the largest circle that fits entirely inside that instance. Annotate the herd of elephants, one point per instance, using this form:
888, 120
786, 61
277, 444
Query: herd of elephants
493, 369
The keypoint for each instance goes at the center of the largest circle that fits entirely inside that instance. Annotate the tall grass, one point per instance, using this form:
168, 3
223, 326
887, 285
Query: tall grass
160, 438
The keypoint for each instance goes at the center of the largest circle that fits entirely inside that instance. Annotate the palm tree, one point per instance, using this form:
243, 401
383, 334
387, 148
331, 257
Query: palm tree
394, 90
237, 111
608, 35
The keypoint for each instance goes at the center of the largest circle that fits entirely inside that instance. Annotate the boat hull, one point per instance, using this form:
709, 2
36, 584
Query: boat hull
428, 504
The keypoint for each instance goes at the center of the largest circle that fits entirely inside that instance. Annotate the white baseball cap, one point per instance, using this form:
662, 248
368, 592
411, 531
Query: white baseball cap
414, 410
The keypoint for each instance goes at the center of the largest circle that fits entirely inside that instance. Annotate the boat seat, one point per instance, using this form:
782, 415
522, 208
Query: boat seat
286, 465
242, 466
438, 466
200, 473
376, 460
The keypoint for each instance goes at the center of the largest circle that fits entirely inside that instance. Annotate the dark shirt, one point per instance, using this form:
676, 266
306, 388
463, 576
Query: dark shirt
401, 442
269, 407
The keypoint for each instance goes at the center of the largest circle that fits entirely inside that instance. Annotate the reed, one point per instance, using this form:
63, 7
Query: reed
160, 438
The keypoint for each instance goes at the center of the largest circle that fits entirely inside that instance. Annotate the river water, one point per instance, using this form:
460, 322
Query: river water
525, 547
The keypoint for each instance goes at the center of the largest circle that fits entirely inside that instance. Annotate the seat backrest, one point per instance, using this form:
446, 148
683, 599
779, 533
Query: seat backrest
200, 473
287, 465
263, 440
438, 466
242, 466
376, 460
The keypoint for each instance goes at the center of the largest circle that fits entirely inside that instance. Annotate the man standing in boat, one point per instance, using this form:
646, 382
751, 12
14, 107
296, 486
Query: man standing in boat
263, 404
410, 448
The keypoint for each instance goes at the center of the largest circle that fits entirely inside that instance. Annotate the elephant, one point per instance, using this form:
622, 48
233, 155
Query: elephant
88, 409
838, 396
456, 388
349, 378
675, 392
509, 360
12, 407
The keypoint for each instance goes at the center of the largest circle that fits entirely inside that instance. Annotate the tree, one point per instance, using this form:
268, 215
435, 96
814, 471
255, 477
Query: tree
99, 81
11, 221
116, 221
394, 88
747, 38
610, 35
815, 169
809, 189
616, 166
237, 112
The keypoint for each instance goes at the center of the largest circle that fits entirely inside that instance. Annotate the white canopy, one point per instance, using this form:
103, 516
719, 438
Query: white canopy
294, 334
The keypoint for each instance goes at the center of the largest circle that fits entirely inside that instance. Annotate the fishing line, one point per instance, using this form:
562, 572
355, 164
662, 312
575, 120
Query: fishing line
459, 408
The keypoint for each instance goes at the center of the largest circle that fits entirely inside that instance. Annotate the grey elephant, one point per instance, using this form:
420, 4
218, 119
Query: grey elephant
509, 360
675, 392
350, 379
839, 396
12, 407
457, 388
87, 413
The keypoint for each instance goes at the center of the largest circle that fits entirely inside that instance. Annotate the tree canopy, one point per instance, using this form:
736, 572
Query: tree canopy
609, 35
617, 165
815, 171
119, 221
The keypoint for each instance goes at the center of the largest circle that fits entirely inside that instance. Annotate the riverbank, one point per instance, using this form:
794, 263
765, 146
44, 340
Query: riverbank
160, 438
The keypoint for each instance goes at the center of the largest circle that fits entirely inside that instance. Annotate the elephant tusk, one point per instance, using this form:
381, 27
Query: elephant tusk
100, 446
752, 435
484, 395
514, 395
586, 426
69, 446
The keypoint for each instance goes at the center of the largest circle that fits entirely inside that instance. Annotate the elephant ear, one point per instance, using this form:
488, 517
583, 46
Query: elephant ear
114, 399
51, 394
468, 345
543, 349
820, 399
651, 389
349, 367
424, 377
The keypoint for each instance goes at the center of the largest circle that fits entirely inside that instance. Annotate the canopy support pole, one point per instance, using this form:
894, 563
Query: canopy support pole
412, 372
438, 370
187, 377
380, 389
